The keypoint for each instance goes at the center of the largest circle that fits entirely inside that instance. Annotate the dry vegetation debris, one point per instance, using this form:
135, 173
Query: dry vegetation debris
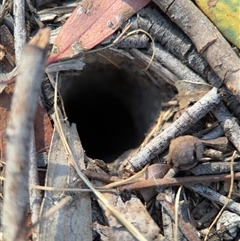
154, 92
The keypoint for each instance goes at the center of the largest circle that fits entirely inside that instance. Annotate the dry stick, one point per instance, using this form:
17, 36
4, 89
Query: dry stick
19, 28
162, 140
207, 39
24, 103
228, 197
175, 65
213, 168
215, 196
174, 40
228, 123
35, 195
159, 70
178, 181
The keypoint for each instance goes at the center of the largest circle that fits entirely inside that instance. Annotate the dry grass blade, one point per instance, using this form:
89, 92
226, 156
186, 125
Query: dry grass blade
126, 181
114, 211
52, 210
176, 213
122, 36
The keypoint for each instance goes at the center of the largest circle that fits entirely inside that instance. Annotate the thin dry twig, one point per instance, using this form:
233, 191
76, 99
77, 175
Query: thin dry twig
24, 104
19, 28
178, 181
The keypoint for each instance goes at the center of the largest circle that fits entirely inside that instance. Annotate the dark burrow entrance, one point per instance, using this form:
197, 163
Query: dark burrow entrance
113, 109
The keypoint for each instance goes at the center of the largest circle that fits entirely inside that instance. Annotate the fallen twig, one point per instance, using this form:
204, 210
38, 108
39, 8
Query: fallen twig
178, 181
19, 28
215, 196
24, 103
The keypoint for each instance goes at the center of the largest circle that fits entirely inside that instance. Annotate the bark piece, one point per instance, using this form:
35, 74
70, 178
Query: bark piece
228, 225
136, 213
73, 221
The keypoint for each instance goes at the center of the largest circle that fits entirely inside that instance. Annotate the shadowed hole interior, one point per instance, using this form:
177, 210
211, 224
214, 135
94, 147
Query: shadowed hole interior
112, 110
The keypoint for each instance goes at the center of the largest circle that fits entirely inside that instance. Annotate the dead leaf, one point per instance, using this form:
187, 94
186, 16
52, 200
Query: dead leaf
189, 92
90, 23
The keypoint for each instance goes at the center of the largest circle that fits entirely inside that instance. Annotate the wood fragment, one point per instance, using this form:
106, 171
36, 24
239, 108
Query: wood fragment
214, 154
24, 104
228, 197
135, 212
60, 174
159, 70
175, 65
